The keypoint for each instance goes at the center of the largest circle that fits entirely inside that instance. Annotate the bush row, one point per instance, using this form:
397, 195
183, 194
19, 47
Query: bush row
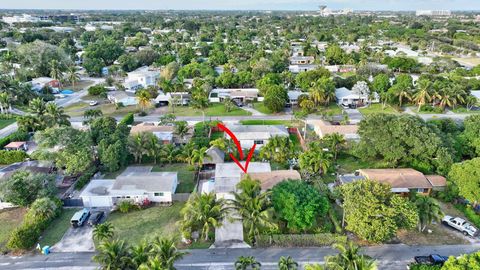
9, 157
470, 214
15, 136
128, 119
85, 178
300, 240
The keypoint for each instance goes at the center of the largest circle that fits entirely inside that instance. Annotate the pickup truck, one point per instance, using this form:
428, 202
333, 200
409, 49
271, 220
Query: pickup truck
433, 259
461, 225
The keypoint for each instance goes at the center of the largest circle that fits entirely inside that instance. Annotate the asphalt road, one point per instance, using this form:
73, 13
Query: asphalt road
389, 257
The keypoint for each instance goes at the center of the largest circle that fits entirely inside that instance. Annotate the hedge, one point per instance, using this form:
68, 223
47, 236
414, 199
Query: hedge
470, 214
85, 178
128, 119
9, 157
300, 240
96, 90
14, 137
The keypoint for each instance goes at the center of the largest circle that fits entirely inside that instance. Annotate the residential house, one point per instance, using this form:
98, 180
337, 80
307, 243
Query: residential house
179, 98
14, 146
323, 128
301, 60
121, 97
248, 135
141, 78
163, 133
239, 94
269, 179
302, 68
348, 98
293, 96
41, 82
476, 94
136, 184
213, 156
405, 180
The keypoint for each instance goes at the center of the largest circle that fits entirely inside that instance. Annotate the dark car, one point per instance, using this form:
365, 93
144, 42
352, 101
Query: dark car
95, 218
433, 259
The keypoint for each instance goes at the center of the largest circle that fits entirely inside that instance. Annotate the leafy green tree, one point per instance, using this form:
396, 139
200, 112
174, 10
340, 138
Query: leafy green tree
335, 142
107, 50
298, 204
245, 263
287, 263
464, 262
42, 210
381, 83
202, 212
470, 134
373, 213
465, 176
103, 231
335, 55
306, 79
23, 188
275, 98
253, 207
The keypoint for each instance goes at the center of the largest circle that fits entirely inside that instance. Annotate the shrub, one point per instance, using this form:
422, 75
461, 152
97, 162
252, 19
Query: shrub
84, 178
470, 214
97, 90
15, 136
428, 108
300, 240
127, 206
416, 266
9, 157
128, 119
23, 237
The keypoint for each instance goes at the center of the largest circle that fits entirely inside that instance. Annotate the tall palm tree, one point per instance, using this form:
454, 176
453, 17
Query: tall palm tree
244, 263
287, 263
447, 99
56, 114
72, 75
113, 254
4, 102
423, 96
198, 156
349, 259
428, 210
37, 107
55, 70
252, 207
317, 94
181, 129
92, 114
136, 146
103, 231
140, 253
152, 146
169, 153
315, 160
144, 99
203, 212
164, 249
335, 141
402, 94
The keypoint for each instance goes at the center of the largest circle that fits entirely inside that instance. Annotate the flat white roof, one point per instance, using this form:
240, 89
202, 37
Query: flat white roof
98, 188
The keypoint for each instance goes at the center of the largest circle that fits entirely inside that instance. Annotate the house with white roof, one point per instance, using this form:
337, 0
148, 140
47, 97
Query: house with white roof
239, 94
141, 78
136, 184
121, 97
301, 60
302, 68
476, 93
248, 135
293, 96
346, 97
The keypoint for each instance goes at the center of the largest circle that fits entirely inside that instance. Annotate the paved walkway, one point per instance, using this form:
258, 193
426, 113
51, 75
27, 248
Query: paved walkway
252, 110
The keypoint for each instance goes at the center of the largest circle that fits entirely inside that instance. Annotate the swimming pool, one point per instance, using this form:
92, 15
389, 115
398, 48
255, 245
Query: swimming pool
67, 92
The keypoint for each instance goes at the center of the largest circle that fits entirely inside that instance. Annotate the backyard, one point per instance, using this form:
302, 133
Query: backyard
331, 109
147, 223
9, 220
348, 163
186, 176
57, 228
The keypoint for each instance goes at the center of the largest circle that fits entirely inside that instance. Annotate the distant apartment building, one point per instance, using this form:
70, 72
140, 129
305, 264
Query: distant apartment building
24, 18
433, 13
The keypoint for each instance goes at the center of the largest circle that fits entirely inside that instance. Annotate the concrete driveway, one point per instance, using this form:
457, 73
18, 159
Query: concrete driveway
76, 240
354, 115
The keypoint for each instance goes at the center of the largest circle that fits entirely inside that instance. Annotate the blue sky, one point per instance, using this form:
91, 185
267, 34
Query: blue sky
242, 4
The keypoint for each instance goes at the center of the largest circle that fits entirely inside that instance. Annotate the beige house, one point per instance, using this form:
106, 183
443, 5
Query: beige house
323, 128
269, 179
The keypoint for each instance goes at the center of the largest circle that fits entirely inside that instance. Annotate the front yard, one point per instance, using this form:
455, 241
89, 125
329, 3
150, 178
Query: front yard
215, 109
287, 123
57, 228
377, 108
349, 164
6, 122
135, 226
186, 176
9, 220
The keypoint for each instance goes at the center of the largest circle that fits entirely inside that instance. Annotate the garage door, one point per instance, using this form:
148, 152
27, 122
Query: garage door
97, 201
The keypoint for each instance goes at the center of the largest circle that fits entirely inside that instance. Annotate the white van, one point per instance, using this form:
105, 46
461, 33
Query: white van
80, 217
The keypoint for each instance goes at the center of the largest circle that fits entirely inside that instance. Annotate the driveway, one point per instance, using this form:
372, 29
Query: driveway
354, 115
76, 240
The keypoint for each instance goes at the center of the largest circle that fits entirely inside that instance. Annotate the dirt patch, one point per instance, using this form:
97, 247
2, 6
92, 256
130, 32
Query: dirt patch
440, 235
9, 220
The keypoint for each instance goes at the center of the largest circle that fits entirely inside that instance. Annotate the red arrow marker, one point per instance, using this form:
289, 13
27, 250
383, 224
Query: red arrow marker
239, 148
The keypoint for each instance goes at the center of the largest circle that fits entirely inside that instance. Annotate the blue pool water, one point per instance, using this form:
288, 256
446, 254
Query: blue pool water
67, 92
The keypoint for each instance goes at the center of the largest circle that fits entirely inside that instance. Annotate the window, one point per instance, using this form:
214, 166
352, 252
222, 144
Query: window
422, 190
258, 142
158, 194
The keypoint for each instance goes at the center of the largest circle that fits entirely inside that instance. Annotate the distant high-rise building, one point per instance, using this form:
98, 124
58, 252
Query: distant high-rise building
325, 12
434, 13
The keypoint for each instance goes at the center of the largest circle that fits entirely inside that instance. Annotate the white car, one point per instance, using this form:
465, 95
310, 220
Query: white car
93, 103
461, 225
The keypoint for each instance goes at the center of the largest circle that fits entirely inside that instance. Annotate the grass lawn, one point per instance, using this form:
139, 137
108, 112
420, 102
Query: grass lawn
78, 85
6, 122
135, 226
296, 142
259, 106
9, 220
111, 110
74, 107
287, 123
215, 109
377, 108
348, 163
464, 110
57, 228
186, 177
331, 109
474, 61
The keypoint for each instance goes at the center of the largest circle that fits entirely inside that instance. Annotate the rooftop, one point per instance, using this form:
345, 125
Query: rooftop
269, 179
398, 178
257, 132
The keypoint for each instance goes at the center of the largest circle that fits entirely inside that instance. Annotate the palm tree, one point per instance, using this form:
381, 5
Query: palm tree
113, 254
278, 149
164, 249
140, 253
423, 96
181, 129
136, 146
169, 153
203, 212
349, 259
153, 148
317, 94
4, 102
401, 94
447, 99
335, 141
198, 156
144, 99
287, 263
56, 114
103, 231
37, 107
92, 114
55, 69
228, 104
315, 160
244, 263
152, 264
428, 210
252, 207
72, 75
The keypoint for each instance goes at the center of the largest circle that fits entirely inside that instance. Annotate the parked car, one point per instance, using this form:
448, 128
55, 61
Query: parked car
432, 259
93, 103
95, 218
461, 225
80, 217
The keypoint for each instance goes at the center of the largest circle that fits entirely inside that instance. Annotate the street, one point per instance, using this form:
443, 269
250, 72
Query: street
390, 257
